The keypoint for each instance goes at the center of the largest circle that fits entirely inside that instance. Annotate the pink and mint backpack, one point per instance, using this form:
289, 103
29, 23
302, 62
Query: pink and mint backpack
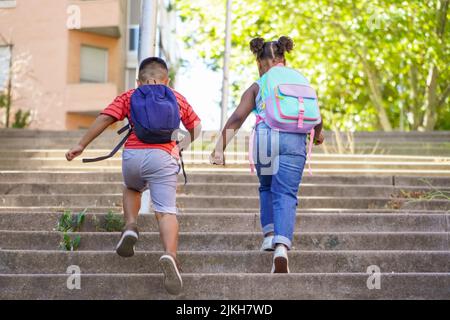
290, 104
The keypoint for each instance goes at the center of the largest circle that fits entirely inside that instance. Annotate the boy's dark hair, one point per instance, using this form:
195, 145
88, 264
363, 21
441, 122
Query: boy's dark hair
153, 68
271, 49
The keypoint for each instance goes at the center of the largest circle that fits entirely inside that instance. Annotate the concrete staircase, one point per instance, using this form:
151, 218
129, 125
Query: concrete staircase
389, 209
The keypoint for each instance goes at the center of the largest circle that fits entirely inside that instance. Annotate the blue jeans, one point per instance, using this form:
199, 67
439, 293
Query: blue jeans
279, 159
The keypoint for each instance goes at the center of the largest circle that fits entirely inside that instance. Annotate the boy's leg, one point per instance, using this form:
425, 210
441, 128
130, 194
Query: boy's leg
131, 167
168, 231
161, 173
131, 205
130, 233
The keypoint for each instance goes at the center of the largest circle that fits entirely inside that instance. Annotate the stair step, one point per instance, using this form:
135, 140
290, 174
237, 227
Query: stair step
249, 222
232, 241
56, 262
116, 163
229, 286
243, 202
56, 176
223, 189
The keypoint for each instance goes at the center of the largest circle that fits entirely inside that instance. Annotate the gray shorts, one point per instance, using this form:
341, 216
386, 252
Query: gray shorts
152, 169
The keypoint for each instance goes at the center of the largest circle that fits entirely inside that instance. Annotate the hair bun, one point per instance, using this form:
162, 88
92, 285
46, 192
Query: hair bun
285, 44
256, 46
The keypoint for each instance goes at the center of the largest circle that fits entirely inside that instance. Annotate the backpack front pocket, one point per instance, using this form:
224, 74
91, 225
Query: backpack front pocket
295, 101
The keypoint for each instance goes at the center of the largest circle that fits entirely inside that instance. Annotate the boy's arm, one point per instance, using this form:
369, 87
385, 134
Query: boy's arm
99, 125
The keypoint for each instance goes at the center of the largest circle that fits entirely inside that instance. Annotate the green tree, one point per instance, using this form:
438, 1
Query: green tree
376, 64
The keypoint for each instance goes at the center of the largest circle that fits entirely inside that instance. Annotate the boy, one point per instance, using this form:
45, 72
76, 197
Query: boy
152, 166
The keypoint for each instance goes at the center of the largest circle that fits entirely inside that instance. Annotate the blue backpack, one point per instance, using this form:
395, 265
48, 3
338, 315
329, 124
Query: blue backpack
155, 118
155, 114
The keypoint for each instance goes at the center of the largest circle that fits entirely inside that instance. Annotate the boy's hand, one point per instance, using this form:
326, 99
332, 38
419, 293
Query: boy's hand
74, 152
217, 157
318, 140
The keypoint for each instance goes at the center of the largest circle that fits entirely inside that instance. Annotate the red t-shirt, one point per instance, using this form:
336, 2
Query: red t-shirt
120, 109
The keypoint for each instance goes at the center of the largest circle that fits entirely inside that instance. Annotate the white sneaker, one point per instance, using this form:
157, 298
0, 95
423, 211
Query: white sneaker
280, 260
267, 244
172, 278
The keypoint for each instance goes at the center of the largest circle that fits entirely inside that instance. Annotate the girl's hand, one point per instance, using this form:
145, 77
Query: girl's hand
318, 140
74, 152
217, 158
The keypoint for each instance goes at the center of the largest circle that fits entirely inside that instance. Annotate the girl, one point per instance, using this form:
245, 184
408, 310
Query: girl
280, 156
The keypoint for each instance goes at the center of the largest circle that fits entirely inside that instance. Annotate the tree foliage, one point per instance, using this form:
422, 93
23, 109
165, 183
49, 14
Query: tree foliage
377, 64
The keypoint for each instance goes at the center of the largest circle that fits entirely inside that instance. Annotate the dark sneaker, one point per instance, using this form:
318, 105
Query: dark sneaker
129, 237
172, 278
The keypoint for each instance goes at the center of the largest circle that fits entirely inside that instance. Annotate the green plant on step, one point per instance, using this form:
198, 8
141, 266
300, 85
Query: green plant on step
422, 195
64, 222
113, 222
69, 222
70, 244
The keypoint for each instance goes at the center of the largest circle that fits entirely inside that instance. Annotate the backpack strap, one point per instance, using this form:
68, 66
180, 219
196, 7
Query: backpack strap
182, 165
117, 148
311, 142
301, 112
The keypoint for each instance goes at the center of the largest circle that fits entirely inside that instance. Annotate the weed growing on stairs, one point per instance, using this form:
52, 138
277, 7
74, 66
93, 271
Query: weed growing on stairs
70, 244
408, 196
435, 194
113, 223
68, 223
394, 204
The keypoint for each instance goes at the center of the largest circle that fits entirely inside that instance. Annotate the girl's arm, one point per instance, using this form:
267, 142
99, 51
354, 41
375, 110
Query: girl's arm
318, 135
235, 122
99, 125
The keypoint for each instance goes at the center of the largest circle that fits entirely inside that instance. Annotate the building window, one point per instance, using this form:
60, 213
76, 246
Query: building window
93, 65
133, 34
7, 4
5, 60
131, 78
134, 14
